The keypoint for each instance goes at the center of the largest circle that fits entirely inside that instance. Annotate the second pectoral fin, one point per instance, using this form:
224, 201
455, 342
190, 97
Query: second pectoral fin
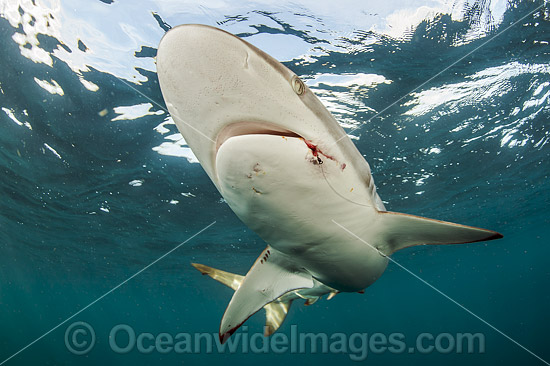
271, 276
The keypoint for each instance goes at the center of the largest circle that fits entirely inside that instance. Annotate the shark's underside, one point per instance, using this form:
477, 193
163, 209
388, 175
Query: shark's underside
289, 171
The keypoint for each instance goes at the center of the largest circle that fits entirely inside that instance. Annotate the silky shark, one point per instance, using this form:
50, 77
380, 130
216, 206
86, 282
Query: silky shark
288, 170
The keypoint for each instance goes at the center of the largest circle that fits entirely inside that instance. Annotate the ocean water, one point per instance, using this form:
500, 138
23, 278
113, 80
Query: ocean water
447, 100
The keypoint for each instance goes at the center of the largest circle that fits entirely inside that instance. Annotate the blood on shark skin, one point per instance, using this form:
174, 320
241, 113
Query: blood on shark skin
307, 257
316, 151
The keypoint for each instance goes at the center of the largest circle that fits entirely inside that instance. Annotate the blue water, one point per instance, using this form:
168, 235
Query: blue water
96, 184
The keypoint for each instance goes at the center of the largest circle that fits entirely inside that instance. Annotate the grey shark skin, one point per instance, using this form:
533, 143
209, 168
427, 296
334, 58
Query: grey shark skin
288, 171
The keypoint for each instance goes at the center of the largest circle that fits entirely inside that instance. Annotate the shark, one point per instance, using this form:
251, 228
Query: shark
289, 171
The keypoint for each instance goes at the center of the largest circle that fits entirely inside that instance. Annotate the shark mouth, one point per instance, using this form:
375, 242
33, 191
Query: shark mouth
267, 128
252, 128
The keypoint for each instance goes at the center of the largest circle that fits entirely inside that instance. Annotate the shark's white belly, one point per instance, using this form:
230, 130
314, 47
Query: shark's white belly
233, 103
282, 191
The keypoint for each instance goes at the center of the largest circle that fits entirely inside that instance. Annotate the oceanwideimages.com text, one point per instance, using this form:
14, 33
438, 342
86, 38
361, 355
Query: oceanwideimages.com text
80, 338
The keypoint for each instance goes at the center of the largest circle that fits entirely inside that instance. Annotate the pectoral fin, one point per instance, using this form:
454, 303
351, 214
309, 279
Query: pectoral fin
397, 231
271, 276
275, 311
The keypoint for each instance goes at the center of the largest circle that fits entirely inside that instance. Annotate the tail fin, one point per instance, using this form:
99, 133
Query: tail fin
268, 280
275, 314
397, 231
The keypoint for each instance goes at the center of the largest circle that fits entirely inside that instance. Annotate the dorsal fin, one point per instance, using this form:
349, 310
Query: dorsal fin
229, 279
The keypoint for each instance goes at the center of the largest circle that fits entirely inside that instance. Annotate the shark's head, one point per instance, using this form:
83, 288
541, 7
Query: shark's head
217, 86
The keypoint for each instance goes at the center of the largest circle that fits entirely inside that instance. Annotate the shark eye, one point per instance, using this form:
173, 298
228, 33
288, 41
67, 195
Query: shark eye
298, 85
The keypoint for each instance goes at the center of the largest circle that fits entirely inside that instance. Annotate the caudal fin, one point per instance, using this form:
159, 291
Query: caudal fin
396, 231
275, 314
